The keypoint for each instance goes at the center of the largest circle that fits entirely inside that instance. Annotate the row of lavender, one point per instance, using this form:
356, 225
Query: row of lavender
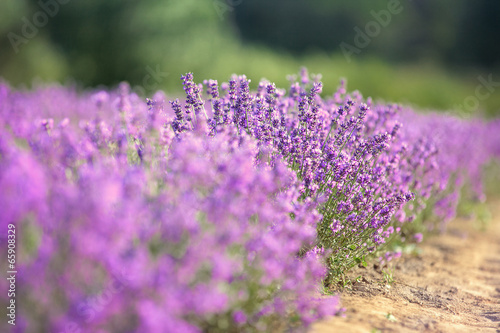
222, 213
123, 227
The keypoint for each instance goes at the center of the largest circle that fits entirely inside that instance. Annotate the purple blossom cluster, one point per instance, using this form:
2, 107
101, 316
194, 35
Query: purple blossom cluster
124, 227
354, 159
222, 212
450, 154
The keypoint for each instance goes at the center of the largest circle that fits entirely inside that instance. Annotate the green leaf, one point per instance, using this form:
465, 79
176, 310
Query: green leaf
391, 317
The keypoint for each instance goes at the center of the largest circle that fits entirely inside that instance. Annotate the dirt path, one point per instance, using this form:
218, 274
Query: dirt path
452, 286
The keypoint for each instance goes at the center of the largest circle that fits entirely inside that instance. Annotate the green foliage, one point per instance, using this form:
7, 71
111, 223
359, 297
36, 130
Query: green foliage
388, 276
390, 317
492, 179
123, 40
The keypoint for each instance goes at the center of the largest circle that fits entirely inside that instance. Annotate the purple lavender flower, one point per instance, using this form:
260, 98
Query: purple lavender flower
266, 193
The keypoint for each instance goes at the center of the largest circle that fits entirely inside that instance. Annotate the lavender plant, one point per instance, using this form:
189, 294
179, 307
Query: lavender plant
344, 166
350, 157
222, 212
124, 227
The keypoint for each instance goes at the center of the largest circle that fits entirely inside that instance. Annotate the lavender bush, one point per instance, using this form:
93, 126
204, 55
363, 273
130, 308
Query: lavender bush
124, 227
351, 157
223, 212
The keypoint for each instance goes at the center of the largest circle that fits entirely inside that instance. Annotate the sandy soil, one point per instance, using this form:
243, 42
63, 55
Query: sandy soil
453, 285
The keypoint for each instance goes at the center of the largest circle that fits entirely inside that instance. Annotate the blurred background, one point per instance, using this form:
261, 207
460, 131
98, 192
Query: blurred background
434, 54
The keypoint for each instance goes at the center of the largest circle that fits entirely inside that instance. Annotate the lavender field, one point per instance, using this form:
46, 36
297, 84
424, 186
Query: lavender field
226, 210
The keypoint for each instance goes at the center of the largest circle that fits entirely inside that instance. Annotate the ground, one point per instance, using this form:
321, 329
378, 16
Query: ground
452, 285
